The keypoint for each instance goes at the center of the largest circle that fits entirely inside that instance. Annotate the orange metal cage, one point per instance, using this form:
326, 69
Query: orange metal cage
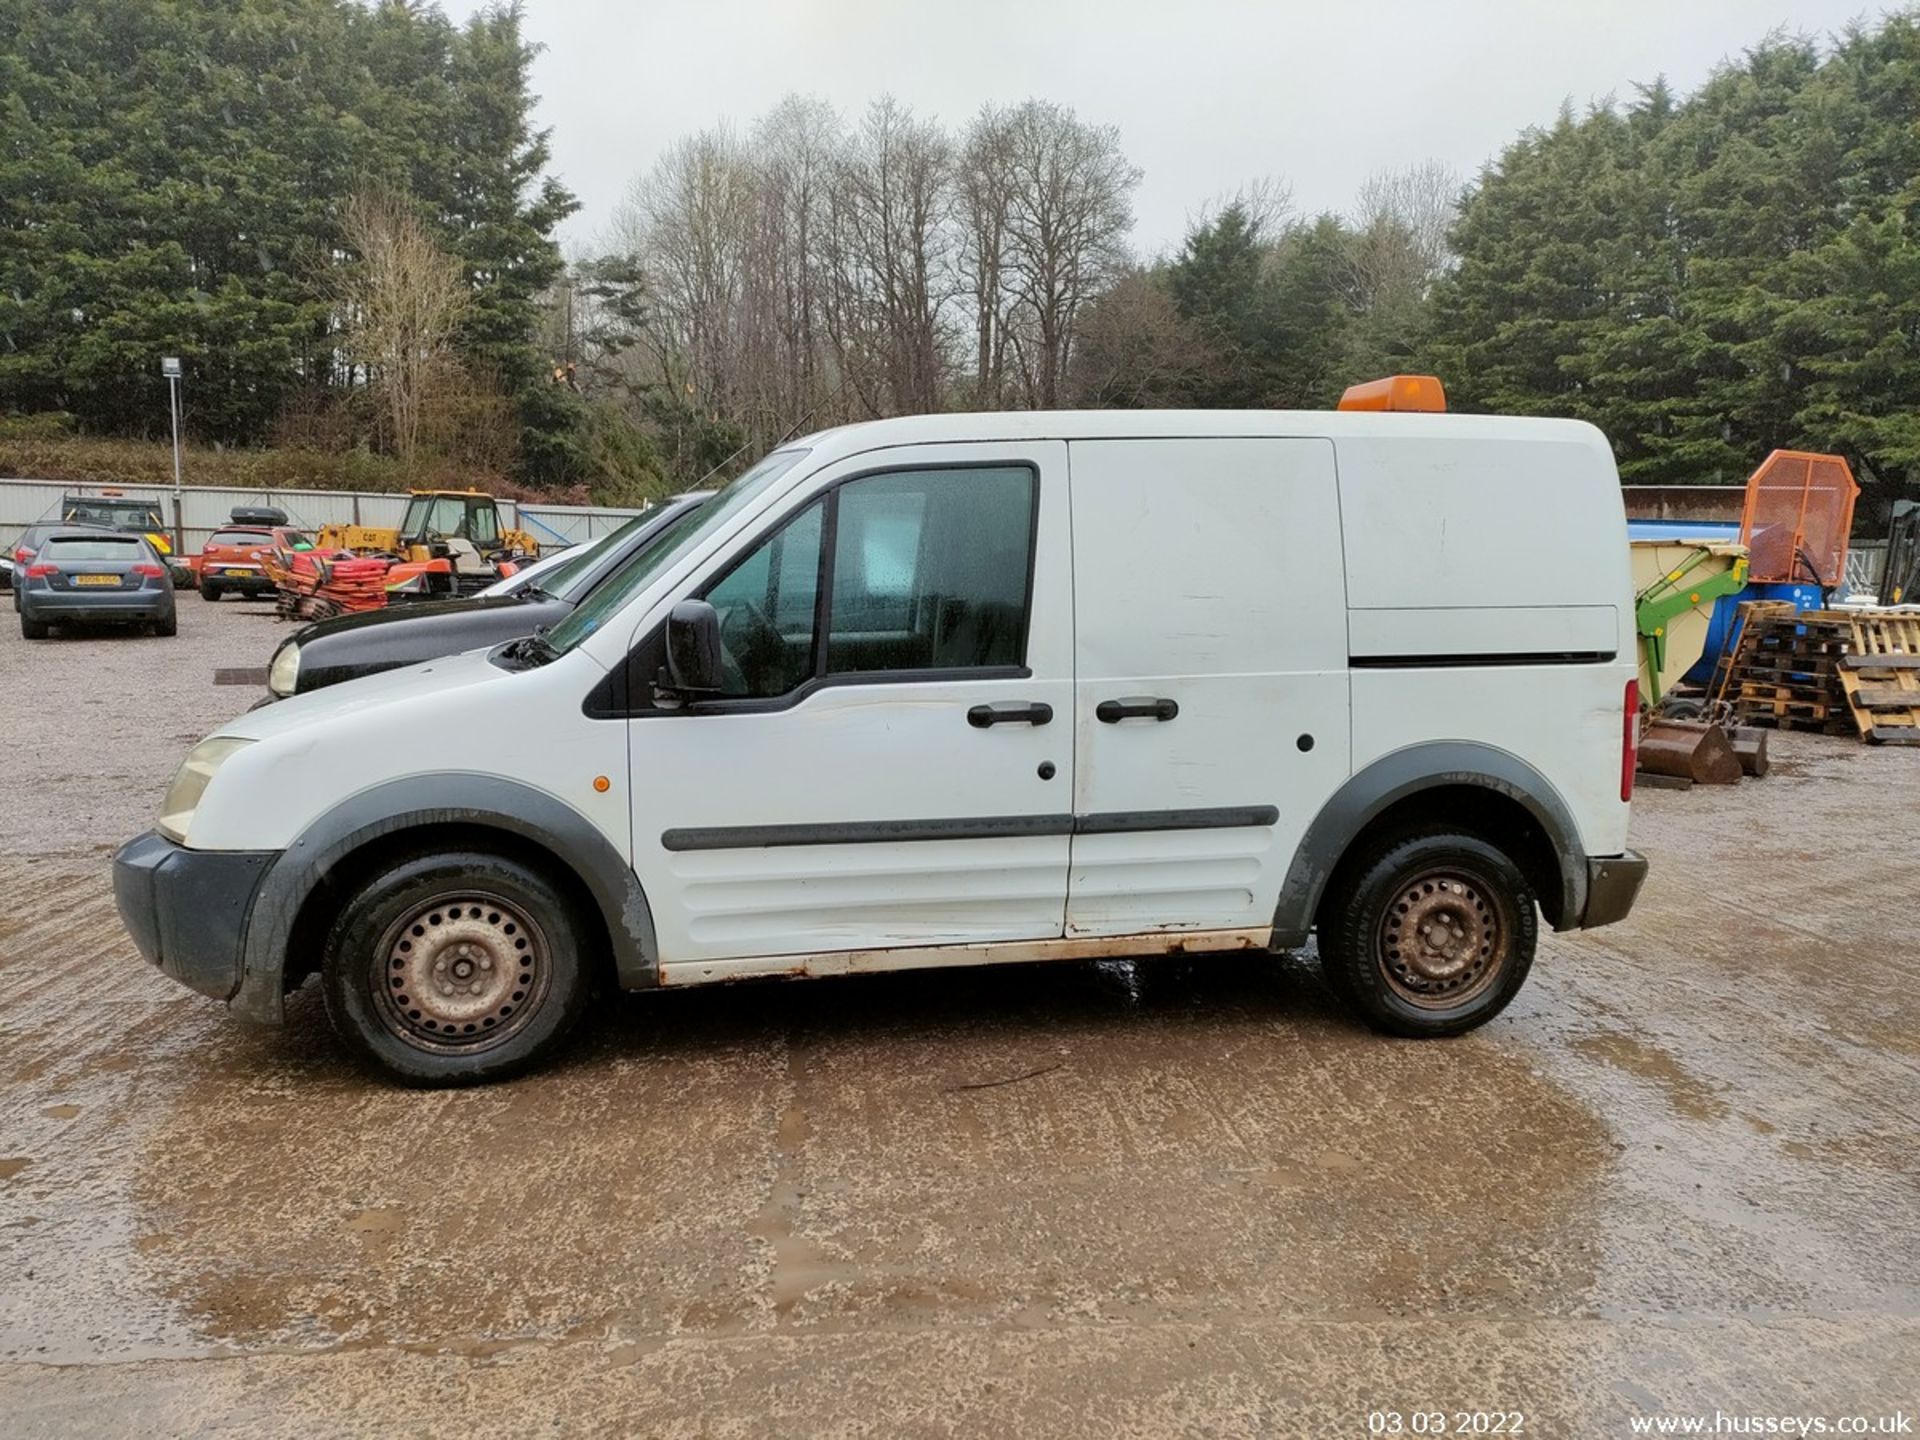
1798, 515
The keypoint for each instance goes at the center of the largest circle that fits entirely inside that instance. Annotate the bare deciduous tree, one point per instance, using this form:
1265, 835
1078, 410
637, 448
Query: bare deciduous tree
797, 147
402, 303
1133, 350
889, 252
1267, 204
1069, 208
982, 196
691, 218
1402, 219
812, 272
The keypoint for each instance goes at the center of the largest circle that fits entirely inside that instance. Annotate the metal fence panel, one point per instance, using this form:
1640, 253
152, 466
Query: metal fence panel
1865, 565
207, 508
559, 525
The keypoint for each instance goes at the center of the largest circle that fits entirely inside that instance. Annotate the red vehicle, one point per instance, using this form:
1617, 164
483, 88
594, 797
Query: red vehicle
231, 560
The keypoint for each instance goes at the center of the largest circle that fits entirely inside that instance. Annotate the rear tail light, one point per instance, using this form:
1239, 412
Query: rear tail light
22, 555
1629, 738
40, 572
143, 568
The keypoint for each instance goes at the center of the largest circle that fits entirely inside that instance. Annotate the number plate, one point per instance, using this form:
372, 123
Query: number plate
243, 574
96, 579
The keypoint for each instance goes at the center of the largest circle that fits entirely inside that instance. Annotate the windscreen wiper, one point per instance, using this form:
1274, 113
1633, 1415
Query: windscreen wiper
529, 652
536, 648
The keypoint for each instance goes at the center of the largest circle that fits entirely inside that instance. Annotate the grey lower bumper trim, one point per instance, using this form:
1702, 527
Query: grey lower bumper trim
186, 910
1613, 883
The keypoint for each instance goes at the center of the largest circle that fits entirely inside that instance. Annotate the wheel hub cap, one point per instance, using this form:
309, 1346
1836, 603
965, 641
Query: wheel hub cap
1442, 941
463, 971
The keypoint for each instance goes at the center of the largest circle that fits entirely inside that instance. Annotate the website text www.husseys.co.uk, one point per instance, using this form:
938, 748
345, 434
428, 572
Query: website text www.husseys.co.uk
1722, 1423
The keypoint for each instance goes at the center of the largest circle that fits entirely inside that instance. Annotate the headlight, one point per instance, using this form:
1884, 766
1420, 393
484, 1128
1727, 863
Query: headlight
196, 773
283, 676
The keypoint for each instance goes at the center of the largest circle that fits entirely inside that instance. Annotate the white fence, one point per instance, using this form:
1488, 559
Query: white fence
1865, 563
206, 508
558, 526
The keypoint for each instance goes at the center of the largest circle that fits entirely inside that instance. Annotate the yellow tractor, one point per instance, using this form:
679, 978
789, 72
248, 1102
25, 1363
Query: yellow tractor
448, 542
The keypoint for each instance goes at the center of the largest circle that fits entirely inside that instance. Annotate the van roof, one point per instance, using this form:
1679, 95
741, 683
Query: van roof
1187, 424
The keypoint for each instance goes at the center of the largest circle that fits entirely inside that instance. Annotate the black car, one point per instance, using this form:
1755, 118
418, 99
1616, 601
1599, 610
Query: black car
346, 647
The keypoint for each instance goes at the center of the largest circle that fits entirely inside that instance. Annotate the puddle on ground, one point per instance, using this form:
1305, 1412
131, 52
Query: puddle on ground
1686, 1092
1211, 1139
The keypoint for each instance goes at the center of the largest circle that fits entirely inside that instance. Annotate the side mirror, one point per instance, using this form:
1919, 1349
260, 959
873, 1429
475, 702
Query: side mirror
693, 648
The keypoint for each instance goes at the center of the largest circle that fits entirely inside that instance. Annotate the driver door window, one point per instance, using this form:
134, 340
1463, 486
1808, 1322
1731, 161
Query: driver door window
766, 605
929, 573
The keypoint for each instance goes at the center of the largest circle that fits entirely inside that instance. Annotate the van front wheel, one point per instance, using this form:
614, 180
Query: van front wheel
1430, 934
455, 967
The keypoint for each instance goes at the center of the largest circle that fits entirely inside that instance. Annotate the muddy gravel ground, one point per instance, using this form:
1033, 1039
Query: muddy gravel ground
1680, 1174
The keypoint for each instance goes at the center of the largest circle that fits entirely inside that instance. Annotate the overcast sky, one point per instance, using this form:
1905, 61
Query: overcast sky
1207, 93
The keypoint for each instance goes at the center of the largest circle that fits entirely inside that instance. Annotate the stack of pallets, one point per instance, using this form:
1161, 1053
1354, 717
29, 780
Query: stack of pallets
1880, 675
1842, 672
1786, 672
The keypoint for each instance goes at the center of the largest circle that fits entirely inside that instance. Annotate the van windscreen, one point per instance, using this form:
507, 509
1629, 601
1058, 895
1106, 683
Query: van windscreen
676, 540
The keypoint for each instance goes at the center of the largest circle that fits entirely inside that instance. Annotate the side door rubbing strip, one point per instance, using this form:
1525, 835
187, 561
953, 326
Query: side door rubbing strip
857, 832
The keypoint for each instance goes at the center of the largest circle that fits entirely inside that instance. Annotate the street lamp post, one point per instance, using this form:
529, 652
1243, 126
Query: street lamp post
170, 367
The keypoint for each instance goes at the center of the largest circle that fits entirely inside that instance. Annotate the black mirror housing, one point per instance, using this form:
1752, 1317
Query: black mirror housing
693, 648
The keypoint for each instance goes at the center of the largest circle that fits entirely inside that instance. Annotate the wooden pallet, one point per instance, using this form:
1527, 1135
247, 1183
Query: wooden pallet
1786, 671
1747, 616
1880, 674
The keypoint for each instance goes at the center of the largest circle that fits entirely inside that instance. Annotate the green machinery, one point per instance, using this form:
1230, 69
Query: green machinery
1674, 603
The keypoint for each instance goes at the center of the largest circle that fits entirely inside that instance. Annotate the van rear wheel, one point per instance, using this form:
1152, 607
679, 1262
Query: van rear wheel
455, 967
1430, 934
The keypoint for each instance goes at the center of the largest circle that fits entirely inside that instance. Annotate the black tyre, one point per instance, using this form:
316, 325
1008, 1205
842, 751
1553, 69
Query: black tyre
33, 629
209, 590
1430, 933
456, 967
169, 626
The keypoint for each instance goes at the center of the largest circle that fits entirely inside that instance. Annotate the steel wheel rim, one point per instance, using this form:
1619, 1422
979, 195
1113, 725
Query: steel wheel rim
1443, 940
461, 973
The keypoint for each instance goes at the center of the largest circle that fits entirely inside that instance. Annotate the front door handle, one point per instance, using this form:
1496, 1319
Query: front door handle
1135, 707
981, 716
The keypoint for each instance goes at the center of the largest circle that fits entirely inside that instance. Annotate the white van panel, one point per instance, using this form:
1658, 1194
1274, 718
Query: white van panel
1564, 720
1207, 573
1494, 522
1206, 557
1484, 630
868, 753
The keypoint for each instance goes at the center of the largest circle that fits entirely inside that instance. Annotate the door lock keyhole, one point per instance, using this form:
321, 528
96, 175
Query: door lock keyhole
1047, 772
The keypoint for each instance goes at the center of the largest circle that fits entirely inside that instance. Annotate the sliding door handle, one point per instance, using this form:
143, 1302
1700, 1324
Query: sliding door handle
981, 716
1135, 707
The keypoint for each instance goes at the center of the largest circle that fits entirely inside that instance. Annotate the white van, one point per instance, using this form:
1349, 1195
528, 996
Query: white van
964, 690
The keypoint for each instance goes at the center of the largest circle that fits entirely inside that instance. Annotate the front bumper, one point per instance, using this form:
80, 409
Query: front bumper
187, 909
1613, 884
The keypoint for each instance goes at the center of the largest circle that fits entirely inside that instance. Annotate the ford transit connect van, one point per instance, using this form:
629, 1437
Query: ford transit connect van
963, 690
